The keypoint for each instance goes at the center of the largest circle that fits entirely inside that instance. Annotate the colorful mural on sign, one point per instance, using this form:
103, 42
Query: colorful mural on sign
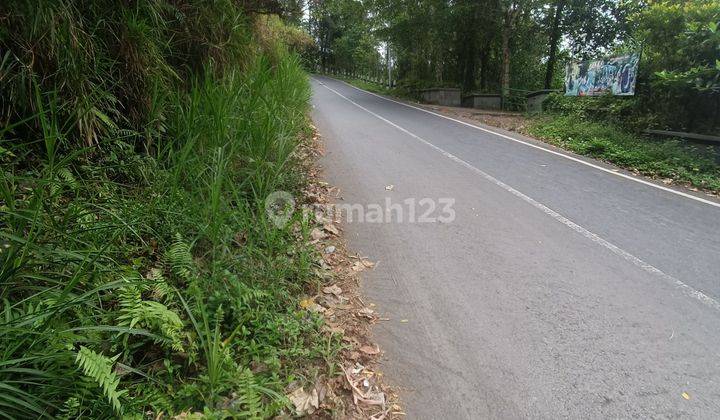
612, 75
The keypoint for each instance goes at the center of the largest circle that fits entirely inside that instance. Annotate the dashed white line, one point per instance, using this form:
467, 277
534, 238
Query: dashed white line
684, 288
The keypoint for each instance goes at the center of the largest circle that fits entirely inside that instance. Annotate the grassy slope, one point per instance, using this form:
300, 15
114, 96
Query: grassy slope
376, 87
369, 86
665, 158
134, 282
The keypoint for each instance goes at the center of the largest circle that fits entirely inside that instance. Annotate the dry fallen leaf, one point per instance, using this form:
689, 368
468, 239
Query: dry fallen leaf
371, 350
333, 290
317, 234
321, 388
317, 308
304, 402
362, 264
370, 395
366, 312
311, 306
367, 263
189, 416
329, 227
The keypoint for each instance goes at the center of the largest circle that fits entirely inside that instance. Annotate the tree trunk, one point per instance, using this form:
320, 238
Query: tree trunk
439, 66
510, 16
483, 70
468, 62
553, 43
469, 74
505, 71
389, 64
467, 48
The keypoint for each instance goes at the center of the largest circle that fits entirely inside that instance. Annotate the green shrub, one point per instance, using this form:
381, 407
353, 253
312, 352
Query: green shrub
619, 110
138, 141
671, 159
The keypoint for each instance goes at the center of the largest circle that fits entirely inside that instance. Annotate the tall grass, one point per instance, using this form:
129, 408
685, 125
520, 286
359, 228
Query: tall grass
137, 270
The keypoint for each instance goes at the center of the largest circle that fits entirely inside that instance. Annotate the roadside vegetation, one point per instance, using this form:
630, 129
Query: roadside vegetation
513, 47
139, 273
671, 160
373, 87
376, 87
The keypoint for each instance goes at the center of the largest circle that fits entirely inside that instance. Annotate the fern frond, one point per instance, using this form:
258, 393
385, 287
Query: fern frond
249, 396
247, 296
160, 288
154, 316
67, 176
69, 409
99, 368
180, 258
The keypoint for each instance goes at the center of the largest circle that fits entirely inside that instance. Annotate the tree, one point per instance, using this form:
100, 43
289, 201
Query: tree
511, 10
344, 34
590, 27
681, 62
557, 13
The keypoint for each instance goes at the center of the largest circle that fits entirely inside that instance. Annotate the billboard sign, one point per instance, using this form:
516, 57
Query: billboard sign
611, 75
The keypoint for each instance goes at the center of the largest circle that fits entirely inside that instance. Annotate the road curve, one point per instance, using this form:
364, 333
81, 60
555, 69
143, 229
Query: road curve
559, 290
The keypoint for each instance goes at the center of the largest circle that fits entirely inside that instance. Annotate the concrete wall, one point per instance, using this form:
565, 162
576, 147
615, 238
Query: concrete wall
535, 100
453, 97
441, 96
483, 101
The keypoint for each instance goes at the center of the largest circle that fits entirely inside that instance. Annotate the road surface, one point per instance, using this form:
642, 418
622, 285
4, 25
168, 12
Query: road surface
561, 289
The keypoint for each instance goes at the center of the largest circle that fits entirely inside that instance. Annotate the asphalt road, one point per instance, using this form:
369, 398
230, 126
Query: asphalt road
561, 289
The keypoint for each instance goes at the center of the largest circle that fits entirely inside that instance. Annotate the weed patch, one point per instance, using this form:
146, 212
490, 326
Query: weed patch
138, 270
673, 160
381, 89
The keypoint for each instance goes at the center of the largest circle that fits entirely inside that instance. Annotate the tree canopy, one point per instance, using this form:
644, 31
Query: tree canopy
513, 46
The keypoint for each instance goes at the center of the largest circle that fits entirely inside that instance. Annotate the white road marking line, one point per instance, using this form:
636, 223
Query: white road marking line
574, 159
686, 289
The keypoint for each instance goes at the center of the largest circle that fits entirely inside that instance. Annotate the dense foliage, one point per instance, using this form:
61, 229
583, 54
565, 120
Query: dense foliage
138, 272
462, 43
680, 70
514, 46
